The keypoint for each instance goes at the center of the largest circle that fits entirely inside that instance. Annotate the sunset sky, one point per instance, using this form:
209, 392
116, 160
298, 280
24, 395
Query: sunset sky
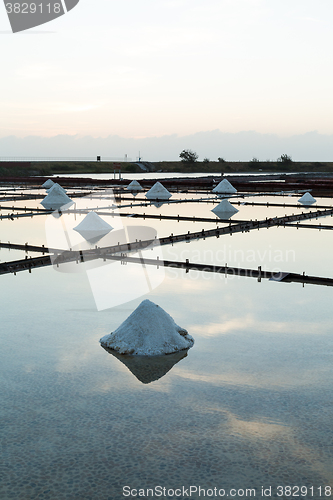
156, 68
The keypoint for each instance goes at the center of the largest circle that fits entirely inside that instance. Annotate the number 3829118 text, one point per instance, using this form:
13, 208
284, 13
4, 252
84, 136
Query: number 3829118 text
33, 8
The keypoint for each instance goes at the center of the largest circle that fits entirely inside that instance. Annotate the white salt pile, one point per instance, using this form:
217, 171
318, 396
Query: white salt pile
134, 186
56, 199
148, 331
225, 187
158, 192
307, 199
93, 227
48, 184
225, 208
60, 188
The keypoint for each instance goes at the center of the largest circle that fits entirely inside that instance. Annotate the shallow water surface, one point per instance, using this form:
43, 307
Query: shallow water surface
249, 407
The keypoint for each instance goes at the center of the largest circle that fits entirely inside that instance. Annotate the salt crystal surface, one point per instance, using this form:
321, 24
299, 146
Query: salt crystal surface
48, 184
134, 186
93, 227
307, 199
60, 188
224, 187
56, 199
225, 208
148, 331
158, 192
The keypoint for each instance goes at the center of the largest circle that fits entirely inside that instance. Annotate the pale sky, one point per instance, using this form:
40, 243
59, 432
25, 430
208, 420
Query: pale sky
152, 68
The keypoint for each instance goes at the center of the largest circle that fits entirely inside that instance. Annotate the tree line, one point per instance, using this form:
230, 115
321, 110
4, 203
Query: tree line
188, 156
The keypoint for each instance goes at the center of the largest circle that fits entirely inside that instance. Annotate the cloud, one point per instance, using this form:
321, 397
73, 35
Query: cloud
242, 146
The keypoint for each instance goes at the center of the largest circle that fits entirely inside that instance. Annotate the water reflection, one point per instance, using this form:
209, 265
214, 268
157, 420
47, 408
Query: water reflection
225, 209
147, 369
157, 204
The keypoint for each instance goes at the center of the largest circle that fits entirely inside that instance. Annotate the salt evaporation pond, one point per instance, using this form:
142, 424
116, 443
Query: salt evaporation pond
250, 406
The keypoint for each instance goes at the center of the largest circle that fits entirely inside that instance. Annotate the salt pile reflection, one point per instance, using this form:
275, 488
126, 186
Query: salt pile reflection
147, 369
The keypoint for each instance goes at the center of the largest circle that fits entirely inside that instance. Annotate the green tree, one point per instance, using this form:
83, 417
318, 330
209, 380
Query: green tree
188, 156
285, 159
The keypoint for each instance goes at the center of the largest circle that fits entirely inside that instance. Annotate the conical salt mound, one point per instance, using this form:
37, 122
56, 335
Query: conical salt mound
48, 184
60, 188
56, 199
134, 186
225, 187
158, 192
149, 368
148, 331
93, 227
307, 199
225, 207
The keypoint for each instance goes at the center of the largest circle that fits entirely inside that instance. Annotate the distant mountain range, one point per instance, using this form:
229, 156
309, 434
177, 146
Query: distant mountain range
240, 146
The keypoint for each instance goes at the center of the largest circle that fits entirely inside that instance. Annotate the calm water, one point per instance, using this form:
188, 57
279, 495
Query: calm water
159, 175
250, 406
